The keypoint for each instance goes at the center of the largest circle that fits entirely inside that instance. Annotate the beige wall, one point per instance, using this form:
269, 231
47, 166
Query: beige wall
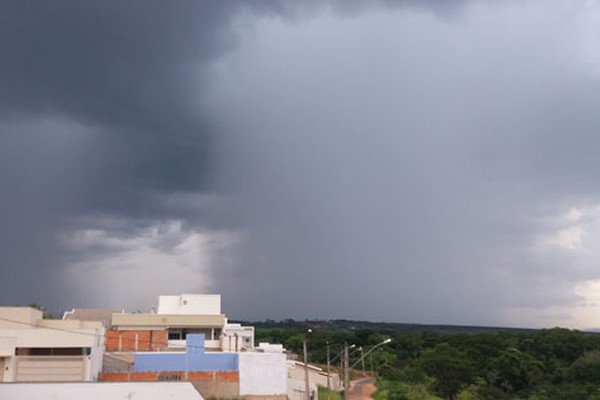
190, 304
140, 321
19, 317
7, 345
43, 337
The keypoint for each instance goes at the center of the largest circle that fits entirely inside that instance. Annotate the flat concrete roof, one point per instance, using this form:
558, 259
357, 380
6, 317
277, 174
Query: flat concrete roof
168, 320
100, 391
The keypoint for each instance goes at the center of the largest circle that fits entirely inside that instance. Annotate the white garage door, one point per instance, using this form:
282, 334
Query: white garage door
50, 368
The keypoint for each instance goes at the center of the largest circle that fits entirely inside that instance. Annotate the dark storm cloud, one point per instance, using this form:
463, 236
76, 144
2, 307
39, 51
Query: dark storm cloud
109, 94
396, 160
101, 113
134, 70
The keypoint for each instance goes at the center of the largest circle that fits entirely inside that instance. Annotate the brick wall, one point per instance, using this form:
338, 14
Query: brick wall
217, 384
215, 376
148, 340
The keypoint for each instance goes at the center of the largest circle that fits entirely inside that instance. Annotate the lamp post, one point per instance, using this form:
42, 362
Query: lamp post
362, 353
306, 383
346, 373
328, 374
342, 360
386, 341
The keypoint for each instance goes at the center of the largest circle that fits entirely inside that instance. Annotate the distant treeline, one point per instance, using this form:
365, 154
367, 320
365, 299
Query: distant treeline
454, 362
381, 327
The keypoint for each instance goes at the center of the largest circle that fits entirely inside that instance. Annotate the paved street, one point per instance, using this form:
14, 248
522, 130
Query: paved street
362, 389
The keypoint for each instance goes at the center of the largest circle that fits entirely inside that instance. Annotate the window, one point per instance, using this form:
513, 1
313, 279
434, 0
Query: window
52, 351
175, 335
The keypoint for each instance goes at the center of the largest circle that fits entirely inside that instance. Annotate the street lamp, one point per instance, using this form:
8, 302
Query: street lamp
362, 353
306, 383
328, 374
342, 352
386, 341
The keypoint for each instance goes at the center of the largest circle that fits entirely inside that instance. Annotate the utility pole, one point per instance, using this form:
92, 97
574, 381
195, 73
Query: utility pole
328, 374
346, 372
362, 353
306, 383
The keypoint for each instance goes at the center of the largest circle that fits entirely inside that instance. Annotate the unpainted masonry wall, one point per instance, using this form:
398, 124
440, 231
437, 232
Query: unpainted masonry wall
139, 340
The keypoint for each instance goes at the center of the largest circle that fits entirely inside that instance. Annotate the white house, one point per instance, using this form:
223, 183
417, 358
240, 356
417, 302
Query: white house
33, 349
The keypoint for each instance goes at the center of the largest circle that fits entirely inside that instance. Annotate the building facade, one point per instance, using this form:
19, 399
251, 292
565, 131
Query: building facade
33, 349
173, 318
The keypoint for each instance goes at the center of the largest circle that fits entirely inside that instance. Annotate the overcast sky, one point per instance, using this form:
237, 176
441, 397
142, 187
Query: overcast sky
408, 161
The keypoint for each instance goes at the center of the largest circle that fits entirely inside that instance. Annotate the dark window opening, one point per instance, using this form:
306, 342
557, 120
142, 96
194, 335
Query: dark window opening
53, 351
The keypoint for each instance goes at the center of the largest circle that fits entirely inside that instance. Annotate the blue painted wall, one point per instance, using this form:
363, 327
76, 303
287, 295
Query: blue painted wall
194, 359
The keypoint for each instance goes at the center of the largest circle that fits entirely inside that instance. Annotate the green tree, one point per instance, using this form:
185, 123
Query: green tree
586, 369
410, 345
556, 344
451, 369
513, 370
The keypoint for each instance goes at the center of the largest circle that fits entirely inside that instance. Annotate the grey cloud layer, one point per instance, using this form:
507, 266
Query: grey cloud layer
399, 167
405, 155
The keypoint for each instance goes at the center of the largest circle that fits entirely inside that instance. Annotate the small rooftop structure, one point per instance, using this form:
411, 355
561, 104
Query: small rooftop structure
190, 304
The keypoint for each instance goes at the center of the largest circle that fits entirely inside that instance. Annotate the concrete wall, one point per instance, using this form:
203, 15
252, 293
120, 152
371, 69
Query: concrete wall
154, 376
263, 374
19, 317
216, 385
117, 362
193, 359
316, 377
202, 304
218, 388
296, 389
185, 362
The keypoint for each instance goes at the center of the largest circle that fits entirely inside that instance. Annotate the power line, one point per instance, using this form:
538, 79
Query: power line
95, 335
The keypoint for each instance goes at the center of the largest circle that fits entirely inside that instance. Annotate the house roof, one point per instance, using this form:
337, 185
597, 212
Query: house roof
100, 391
166, 320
